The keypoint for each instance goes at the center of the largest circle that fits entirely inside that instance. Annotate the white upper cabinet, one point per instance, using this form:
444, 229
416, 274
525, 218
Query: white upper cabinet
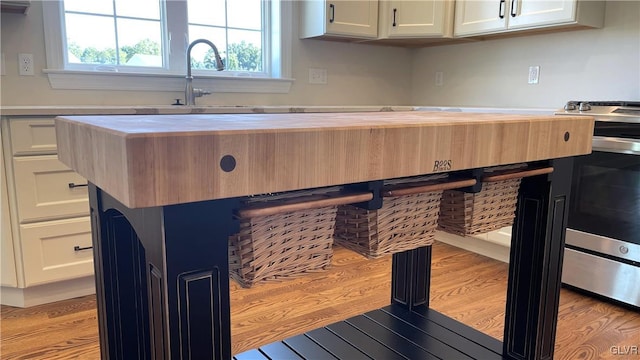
541, 13
356, 19
481, 17
473, 17
416, 19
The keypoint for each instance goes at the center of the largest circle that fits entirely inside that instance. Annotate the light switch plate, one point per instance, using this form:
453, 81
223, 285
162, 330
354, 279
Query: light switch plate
534, 74
3, 69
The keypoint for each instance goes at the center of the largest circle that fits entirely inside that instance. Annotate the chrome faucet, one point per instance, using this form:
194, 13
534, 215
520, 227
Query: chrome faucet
190, 94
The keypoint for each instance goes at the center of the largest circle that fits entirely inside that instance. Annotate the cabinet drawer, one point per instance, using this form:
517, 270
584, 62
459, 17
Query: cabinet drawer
43, 190
48, 250
33, 136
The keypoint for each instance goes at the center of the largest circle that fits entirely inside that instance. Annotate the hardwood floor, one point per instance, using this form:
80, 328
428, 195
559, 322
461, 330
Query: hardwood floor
466, 286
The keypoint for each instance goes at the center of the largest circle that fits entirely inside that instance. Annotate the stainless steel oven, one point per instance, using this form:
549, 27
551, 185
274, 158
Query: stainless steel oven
602, 253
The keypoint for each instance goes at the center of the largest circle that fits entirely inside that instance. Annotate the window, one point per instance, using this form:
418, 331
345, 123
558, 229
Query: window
123, 33
142, 44
235, 25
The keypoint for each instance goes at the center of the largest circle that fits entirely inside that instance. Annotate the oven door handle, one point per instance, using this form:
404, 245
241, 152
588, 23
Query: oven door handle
616, 145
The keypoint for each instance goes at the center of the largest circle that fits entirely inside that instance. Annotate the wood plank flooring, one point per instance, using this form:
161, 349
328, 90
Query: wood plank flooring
465, 286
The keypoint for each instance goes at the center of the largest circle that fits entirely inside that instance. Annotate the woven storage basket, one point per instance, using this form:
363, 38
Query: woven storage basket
403, 223
490, 209
285, 243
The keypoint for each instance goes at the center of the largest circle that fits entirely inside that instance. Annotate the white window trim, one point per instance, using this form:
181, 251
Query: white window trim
59, 78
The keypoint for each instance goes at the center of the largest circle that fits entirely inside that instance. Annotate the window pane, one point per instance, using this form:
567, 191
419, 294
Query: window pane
245, 14
95, 6
245, 50
140, 42
132, 32
207, 12
97, 46
201, 54
146, 9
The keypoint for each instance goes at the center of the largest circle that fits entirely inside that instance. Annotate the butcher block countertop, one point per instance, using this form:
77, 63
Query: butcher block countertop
155, 160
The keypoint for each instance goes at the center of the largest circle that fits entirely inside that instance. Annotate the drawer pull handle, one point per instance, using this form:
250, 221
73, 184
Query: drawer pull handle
333, 13
78, 248
74, 185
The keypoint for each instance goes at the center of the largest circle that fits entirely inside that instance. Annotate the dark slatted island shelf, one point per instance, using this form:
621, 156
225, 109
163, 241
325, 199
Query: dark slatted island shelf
392, 332
165, 192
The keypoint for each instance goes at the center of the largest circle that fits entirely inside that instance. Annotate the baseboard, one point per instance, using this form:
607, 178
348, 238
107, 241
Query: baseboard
486, 245
47, 293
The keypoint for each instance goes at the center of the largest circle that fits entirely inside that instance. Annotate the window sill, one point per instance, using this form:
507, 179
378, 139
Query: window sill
85, 80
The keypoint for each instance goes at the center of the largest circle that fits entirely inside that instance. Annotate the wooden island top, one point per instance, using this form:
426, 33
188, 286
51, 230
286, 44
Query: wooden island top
156, 160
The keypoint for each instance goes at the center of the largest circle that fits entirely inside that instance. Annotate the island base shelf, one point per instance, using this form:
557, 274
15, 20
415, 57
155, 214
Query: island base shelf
392, 332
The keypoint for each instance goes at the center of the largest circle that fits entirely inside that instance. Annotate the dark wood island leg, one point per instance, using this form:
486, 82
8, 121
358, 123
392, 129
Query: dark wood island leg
535, 266
534, 272
162, 280
411, 278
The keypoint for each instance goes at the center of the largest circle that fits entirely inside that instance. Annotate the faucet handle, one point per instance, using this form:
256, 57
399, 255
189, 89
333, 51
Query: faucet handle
200, 92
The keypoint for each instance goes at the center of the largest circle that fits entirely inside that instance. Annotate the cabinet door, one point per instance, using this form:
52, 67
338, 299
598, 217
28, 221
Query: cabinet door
475, 17
425, 18
56, 250
43, 190
7, 259
352, 18
33, 136
532, 13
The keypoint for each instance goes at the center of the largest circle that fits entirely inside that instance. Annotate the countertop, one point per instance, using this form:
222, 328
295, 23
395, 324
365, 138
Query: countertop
155, 160
181, 109
245, 109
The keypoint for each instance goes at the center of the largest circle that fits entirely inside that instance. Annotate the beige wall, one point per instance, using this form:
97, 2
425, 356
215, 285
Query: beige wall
586, 64
595, 64
357, 74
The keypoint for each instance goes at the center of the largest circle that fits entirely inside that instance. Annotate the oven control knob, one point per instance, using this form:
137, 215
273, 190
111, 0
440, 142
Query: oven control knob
584, 106
623, 249
570, 106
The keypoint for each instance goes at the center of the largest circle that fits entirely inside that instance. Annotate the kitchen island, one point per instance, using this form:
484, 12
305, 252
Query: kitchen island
164, 190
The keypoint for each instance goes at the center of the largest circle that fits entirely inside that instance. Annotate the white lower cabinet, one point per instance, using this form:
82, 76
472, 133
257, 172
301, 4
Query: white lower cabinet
56, 250
8, 275
48, 241
48, 189
495, 244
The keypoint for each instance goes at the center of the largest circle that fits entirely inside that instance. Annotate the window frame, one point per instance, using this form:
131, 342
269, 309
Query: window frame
278, 80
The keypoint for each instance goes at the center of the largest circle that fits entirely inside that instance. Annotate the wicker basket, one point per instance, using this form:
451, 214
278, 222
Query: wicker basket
490, 209
407, 220
283, 236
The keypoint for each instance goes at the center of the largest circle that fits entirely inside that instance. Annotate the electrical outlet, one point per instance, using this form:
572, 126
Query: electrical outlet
534, 74
25, 63
439, 78
318, 76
